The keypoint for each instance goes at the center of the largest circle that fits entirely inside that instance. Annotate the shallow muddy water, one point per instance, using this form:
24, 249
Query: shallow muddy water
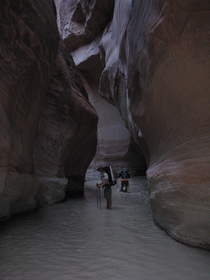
75, 240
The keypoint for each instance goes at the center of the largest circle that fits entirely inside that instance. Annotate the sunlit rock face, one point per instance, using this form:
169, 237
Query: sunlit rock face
82, 38
42, 109
152, 64
115, 146
81, 21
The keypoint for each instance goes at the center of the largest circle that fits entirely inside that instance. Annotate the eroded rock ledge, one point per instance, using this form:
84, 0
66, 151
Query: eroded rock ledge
151, 62
46, 118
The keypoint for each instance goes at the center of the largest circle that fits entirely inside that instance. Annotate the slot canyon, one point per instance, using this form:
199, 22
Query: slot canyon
92, 83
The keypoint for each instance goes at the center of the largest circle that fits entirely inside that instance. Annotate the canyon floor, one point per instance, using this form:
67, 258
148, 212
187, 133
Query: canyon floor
76, 240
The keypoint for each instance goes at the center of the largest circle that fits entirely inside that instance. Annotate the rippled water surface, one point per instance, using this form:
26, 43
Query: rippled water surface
75, 240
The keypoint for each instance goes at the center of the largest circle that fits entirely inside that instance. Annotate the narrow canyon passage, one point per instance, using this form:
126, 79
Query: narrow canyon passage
75, 240
120, 86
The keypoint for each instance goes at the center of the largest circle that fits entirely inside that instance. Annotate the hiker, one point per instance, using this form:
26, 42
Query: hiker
99, 192
107, 186
124, 178
107, 191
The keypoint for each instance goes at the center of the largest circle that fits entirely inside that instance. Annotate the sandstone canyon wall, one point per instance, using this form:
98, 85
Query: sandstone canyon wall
81, 24
46, 118
150, 59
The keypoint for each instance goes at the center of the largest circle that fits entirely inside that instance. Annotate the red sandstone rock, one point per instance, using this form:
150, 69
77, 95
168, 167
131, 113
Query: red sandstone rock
27, 29
157, 73
46, 120
67, 125
162, 51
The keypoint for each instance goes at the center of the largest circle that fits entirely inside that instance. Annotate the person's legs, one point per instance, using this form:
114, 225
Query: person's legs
126, 186
121, 186
110, 199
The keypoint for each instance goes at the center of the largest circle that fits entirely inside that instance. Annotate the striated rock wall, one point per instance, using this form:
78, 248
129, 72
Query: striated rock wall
152, 62
157, 74
44, 110
67, 124
82, 39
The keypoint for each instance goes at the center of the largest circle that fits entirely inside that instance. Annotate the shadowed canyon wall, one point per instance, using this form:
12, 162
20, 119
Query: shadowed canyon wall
150, 59
46, 118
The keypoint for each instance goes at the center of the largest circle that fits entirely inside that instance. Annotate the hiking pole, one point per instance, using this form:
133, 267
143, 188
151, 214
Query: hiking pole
100, 197
97, 197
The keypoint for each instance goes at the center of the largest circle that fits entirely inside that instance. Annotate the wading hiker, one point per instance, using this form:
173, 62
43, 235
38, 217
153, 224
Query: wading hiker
105, 183
124, 178
99, 193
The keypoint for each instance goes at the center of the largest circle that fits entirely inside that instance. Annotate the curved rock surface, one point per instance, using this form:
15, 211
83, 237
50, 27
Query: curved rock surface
115, 145
44, 111
155, 70
81, 21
